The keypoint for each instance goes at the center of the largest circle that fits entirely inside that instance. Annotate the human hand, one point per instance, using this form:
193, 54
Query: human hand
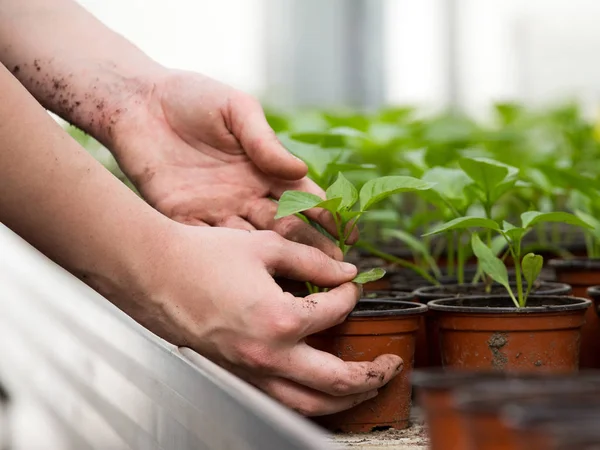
212, 290
203, 153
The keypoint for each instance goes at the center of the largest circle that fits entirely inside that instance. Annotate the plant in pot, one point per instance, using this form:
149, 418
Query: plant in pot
515, 332
583, 272
376, 326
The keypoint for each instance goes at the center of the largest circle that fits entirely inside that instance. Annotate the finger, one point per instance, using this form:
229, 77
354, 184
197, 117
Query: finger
187, 220
326, 309
235, 222
319, 215
304, 263
262, 216
309, 402
327, 373
250, 127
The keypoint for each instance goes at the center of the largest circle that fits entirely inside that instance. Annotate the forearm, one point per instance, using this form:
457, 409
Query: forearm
75, 66
57, 197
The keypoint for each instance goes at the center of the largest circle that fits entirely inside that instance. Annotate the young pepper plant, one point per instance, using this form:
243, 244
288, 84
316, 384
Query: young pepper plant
528, 266
347, 205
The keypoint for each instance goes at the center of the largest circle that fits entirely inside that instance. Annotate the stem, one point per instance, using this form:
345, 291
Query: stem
450, 254
399, 261
460, 273
312, 289
517, 259
341, 238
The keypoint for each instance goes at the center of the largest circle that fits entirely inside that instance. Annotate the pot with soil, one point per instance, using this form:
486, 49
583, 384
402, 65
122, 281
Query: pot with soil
375, 327
488, 333
582, 273
430, 293
484, 406
435, 390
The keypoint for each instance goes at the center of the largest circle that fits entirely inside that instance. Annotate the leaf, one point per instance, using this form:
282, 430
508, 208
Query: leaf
488, 174
531, 218
462, 223
531, 265
369, 275
490, 264
314, 156
595, 223
374, 191
344, 189
292, 202
450, 183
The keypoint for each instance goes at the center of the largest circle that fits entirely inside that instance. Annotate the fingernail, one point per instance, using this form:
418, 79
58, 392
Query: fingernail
348, 268
373, 394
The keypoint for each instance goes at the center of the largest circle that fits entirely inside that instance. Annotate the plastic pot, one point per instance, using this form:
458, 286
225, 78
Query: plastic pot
374, 328
435, 395
429, 293
484, 406
582, 273
488, 333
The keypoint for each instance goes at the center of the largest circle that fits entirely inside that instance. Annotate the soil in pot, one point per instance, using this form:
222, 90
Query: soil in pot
435, 395
581, 274
375, 327
483, 407
429, 293
487, 333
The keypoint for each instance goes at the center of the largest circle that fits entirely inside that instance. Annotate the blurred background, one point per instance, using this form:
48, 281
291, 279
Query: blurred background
435, 54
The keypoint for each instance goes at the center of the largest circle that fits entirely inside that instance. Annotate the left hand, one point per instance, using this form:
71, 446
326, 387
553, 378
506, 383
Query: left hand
203, 153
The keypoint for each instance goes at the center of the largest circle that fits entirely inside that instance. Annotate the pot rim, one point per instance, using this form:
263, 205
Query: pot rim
594, 291
394, 294
445, 305
439, 378
575, 263
554, 287
527, 388
411, 308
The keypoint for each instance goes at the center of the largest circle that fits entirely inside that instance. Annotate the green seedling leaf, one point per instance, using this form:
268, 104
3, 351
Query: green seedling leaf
491, 264
293, 202
488, 174
369, 275
374, 191
462, 223
595, 223
449, 182
531, 265
344, 189
531, 218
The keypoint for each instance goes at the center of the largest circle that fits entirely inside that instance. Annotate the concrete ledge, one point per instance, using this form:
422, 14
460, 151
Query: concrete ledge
413, 438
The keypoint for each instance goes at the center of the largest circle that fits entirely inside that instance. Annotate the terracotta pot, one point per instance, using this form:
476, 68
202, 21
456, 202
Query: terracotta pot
430, 293
489, 333
484, 406
374, 328
581, 274
435, 395
533, 426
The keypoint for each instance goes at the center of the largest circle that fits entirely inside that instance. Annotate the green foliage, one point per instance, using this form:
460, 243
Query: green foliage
370, 275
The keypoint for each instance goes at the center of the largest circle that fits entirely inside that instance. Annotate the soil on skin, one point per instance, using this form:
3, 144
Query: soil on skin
412, 438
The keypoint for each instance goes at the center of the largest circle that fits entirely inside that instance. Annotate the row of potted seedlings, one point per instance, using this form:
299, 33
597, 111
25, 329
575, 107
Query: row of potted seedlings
452, 255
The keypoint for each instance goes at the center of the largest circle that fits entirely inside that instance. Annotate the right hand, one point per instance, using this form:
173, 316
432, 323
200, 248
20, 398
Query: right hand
212, 289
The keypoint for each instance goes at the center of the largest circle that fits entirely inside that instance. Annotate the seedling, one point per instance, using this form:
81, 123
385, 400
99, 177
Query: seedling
347, 205
528, 266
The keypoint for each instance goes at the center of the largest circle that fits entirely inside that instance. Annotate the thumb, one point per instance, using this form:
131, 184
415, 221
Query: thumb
258, 140
304, 263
